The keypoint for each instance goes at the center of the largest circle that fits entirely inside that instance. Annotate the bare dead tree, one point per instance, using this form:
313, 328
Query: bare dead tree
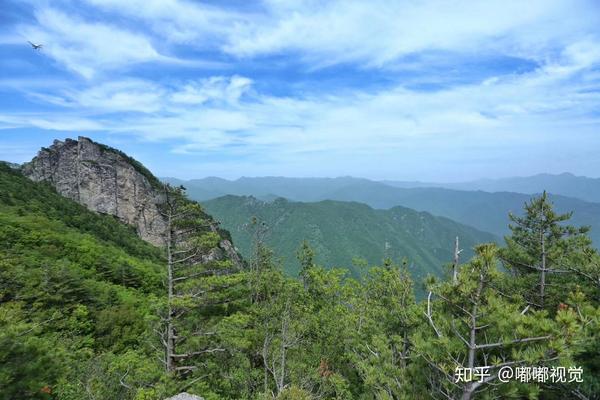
457, 252
275, 348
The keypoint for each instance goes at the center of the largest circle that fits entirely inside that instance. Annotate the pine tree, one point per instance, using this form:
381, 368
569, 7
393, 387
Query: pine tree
474, 326
198, 284
306, 257
541, 245
386, 315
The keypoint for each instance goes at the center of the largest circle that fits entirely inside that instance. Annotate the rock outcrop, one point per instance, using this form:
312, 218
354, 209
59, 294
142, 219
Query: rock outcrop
103, 181
185, 396
107, 181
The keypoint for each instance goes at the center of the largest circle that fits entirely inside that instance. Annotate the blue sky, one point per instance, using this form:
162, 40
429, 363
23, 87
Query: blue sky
409, 90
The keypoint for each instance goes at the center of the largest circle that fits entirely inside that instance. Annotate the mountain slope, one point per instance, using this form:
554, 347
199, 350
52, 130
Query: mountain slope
341, 231
482, 210
83, 282
76, 292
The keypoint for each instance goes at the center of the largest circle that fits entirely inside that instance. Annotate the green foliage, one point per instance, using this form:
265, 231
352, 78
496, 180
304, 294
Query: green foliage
474, 325
306, 257
29, 198
542, 242
541, 229
83, 302
294, 393
75, 291
339, 232
138, 166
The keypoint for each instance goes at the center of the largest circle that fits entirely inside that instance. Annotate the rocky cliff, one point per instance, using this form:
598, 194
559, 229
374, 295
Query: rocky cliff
107, 181
103, 181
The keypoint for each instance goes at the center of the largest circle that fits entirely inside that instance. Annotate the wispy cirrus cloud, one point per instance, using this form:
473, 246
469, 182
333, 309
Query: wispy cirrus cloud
91, 47
85, 47
49, 121
376, 34
372, 33
216, 88
123, 96
227, 115
144, 96
424, 87
192, 23
216, 112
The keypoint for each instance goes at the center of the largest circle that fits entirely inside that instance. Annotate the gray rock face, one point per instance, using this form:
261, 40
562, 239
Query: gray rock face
103, 181
107, 181
185, 396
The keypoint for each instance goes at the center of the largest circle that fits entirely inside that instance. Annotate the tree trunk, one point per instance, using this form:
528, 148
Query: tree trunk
469, 387
170, 341
543, 267
543, 274
455, 264
284, 332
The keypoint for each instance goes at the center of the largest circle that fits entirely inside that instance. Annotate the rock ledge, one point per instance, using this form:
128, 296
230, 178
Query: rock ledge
185, 396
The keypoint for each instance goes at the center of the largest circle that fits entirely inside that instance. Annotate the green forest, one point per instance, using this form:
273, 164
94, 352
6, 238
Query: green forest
346, 234
90, 311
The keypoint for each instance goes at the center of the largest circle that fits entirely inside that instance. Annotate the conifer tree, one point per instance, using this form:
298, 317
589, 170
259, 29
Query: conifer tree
473, 326
198, 284
306, 257
386, 316
541, 245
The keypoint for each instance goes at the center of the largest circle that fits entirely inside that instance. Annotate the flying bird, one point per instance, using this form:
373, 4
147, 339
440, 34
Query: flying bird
35, 46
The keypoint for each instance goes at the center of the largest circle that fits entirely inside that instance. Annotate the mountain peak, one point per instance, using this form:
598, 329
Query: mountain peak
108, 181
103, 179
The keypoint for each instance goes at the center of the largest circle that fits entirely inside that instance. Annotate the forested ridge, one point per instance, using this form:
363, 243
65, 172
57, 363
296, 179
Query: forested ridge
482, 210
90, 311
346, 234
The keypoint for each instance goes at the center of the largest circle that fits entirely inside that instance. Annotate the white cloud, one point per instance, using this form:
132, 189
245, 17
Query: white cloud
178, 21
50, 121
365, 122
213, 89
128, 95
373, 33
216, 112
543, 110
141, 96
379, 31
87, 47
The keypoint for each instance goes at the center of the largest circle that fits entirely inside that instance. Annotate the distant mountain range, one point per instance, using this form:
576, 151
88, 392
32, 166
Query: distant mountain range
341, 231
565, 184
299, 189
482, 210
